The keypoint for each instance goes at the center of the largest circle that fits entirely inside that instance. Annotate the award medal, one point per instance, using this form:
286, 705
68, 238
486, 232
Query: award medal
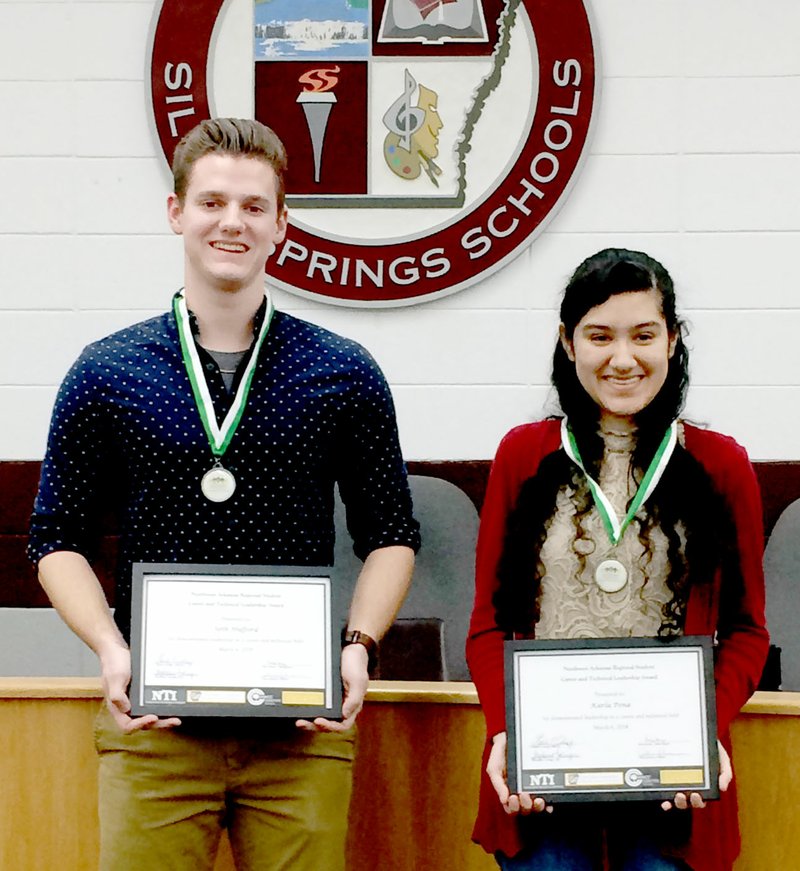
218, 483
611, 575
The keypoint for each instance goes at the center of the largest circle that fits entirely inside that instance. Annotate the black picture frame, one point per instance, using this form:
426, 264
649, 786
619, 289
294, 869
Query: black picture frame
553, 776
196, 699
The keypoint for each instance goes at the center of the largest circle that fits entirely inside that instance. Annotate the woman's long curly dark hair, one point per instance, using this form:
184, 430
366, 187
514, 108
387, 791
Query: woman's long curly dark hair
684, 500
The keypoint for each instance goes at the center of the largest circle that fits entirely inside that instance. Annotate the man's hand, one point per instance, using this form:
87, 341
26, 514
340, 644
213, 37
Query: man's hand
683, 800
380, 589
355, 680
513, 803
76, 594
115, 662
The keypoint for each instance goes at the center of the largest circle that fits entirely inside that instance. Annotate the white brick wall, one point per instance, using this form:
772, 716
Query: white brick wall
695, 158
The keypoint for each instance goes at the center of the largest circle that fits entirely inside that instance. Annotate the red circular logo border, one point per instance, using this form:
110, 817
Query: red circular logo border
465, 251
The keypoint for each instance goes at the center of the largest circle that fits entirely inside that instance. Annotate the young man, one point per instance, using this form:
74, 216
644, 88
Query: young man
192, 485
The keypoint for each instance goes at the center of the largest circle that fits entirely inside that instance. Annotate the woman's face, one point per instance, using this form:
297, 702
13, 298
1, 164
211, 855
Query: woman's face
621, 351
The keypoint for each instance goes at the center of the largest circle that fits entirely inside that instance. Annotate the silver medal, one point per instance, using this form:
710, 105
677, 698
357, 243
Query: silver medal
611, 576
218, 484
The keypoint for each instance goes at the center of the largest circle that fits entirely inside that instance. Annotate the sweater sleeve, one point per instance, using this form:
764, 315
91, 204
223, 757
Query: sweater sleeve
741, 630
516, 460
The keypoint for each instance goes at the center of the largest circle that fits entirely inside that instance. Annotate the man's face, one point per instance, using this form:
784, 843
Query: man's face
229, 221
427, 137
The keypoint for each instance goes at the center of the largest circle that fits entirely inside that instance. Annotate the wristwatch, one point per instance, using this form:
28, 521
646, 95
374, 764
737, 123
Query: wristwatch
354, 636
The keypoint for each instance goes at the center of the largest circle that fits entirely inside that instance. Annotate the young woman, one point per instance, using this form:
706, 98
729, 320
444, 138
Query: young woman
688, 561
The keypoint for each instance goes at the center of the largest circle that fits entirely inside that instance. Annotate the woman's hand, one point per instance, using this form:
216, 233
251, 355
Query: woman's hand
683, 800
513, 803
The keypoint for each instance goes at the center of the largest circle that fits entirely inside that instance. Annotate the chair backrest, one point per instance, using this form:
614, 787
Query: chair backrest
782, 574
443, 578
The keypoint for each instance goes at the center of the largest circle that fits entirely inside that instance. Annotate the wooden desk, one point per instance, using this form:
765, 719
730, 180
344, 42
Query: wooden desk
415, 779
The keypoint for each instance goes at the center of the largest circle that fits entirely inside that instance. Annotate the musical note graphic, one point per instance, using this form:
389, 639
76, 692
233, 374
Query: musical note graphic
413, 138
402, 118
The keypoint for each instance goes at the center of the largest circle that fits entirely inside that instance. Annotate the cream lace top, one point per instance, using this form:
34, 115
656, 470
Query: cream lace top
572, 605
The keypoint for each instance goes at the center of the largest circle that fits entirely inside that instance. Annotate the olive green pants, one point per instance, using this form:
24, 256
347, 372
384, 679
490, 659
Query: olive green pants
164, 797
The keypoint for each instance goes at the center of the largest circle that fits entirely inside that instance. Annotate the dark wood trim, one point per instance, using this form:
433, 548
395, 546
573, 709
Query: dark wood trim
779, 481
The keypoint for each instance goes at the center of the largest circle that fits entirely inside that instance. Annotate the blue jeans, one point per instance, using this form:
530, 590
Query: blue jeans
556, 855
575, 842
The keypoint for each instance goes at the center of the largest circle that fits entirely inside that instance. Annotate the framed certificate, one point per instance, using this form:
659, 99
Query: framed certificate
235, 641
611, 719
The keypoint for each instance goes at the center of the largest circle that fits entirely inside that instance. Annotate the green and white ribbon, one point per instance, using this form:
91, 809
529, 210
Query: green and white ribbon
652, 476
219, 437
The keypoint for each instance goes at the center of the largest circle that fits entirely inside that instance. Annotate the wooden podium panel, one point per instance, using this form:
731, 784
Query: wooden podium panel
416, 788
766, 743
416, 779
48, 775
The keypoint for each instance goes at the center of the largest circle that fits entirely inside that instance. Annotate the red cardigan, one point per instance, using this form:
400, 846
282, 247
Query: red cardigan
743, 640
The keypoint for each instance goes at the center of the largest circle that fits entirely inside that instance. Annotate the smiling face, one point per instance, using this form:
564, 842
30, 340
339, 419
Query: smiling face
621, 351
229, 220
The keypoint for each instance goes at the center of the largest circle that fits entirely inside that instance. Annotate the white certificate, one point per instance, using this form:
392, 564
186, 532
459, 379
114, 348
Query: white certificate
611, 718
234, 641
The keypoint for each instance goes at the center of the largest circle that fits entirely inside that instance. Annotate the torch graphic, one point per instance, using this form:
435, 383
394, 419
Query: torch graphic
317, 99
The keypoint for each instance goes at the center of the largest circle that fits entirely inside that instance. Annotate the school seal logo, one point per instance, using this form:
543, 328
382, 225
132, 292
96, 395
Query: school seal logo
429, 140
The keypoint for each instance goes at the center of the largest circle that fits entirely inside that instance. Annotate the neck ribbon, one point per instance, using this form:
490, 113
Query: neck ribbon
219, 435
614, 527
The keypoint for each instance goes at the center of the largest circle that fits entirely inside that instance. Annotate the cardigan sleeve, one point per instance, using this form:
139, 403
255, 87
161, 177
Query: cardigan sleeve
516, 460
485, 639
741, 626
742, 631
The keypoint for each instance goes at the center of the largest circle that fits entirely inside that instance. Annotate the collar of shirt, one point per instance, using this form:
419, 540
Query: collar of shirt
220, 395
